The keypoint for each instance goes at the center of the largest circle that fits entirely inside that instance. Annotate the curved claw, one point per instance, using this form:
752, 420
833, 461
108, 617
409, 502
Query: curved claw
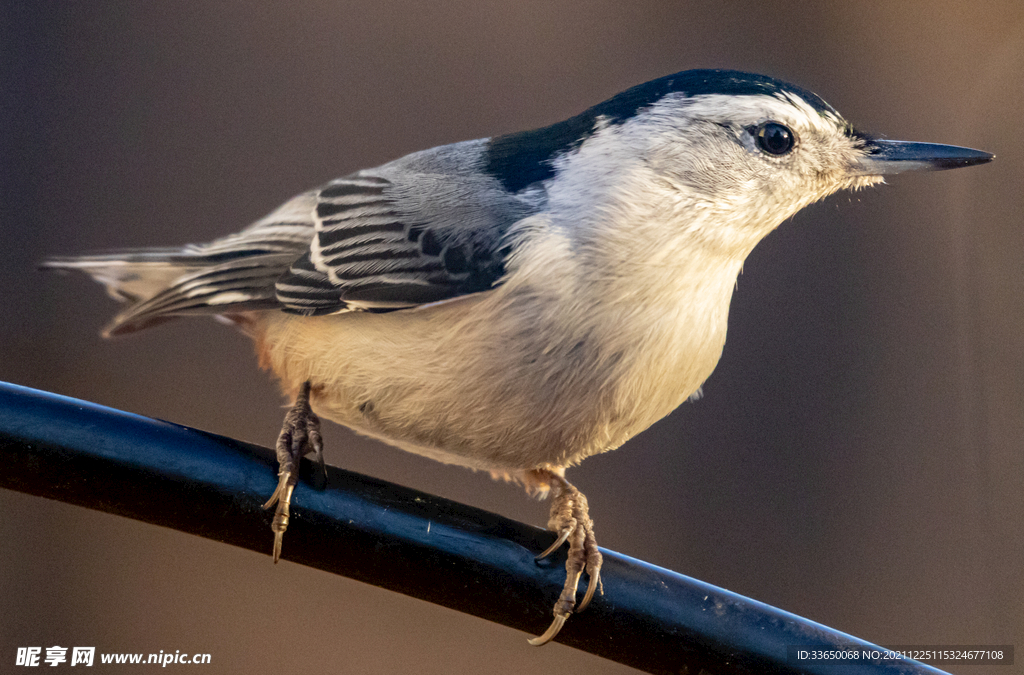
551, 632
278, 541
282, 497
570, 518
554, 547
276, 497
300, 435
593, 585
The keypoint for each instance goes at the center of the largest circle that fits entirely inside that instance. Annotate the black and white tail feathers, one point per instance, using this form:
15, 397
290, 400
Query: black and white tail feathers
232, 274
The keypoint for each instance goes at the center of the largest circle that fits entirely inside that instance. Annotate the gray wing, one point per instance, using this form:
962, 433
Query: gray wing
425, 228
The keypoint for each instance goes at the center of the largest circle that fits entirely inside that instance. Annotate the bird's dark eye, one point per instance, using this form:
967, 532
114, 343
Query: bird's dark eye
775, 139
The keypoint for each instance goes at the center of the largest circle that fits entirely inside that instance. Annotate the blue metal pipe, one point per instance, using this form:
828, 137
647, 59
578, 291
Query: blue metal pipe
400, 539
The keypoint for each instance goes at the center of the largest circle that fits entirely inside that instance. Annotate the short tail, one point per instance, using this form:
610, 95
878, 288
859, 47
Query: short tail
234, 274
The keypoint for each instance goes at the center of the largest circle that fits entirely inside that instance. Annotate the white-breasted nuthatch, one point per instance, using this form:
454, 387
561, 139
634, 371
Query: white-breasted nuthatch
519, 303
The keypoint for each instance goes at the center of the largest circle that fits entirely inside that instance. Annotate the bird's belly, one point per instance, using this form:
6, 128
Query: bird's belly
463, 383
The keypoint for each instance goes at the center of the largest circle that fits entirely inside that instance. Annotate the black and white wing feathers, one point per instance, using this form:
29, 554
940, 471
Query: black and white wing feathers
425, 228
372, 251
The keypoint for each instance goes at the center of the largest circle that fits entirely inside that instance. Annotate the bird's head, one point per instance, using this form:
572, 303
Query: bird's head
734, 154
761, 149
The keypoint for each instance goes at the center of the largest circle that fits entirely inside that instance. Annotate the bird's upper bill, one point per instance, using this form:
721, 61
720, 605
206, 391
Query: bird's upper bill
888, 157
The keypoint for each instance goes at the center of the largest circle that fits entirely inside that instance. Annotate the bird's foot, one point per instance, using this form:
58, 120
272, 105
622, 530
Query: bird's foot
299, 436
570, 518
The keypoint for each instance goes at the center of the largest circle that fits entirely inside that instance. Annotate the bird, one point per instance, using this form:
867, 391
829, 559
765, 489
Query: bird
519, 303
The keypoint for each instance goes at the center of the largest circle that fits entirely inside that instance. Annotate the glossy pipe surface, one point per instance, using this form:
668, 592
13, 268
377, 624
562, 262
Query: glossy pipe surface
396, 538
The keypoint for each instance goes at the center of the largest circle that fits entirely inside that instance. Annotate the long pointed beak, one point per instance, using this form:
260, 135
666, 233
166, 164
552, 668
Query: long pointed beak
885, 157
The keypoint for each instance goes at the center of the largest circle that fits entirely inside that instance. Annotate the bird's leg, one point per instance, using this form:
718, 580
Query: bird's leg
570, 518
299, 436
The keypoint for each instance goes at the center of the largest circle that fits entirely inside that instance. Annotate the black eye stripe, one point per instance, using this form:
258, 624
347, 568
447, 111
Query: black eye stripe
774, 138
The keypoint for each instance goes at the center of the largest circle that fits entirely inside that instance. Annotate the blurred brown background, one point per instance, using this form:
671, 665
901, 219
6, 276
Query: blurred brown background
857, 458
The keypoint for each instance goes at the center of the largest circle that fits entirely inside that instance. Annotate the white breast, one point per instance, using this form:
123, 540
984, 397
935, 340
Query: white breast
550, 367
